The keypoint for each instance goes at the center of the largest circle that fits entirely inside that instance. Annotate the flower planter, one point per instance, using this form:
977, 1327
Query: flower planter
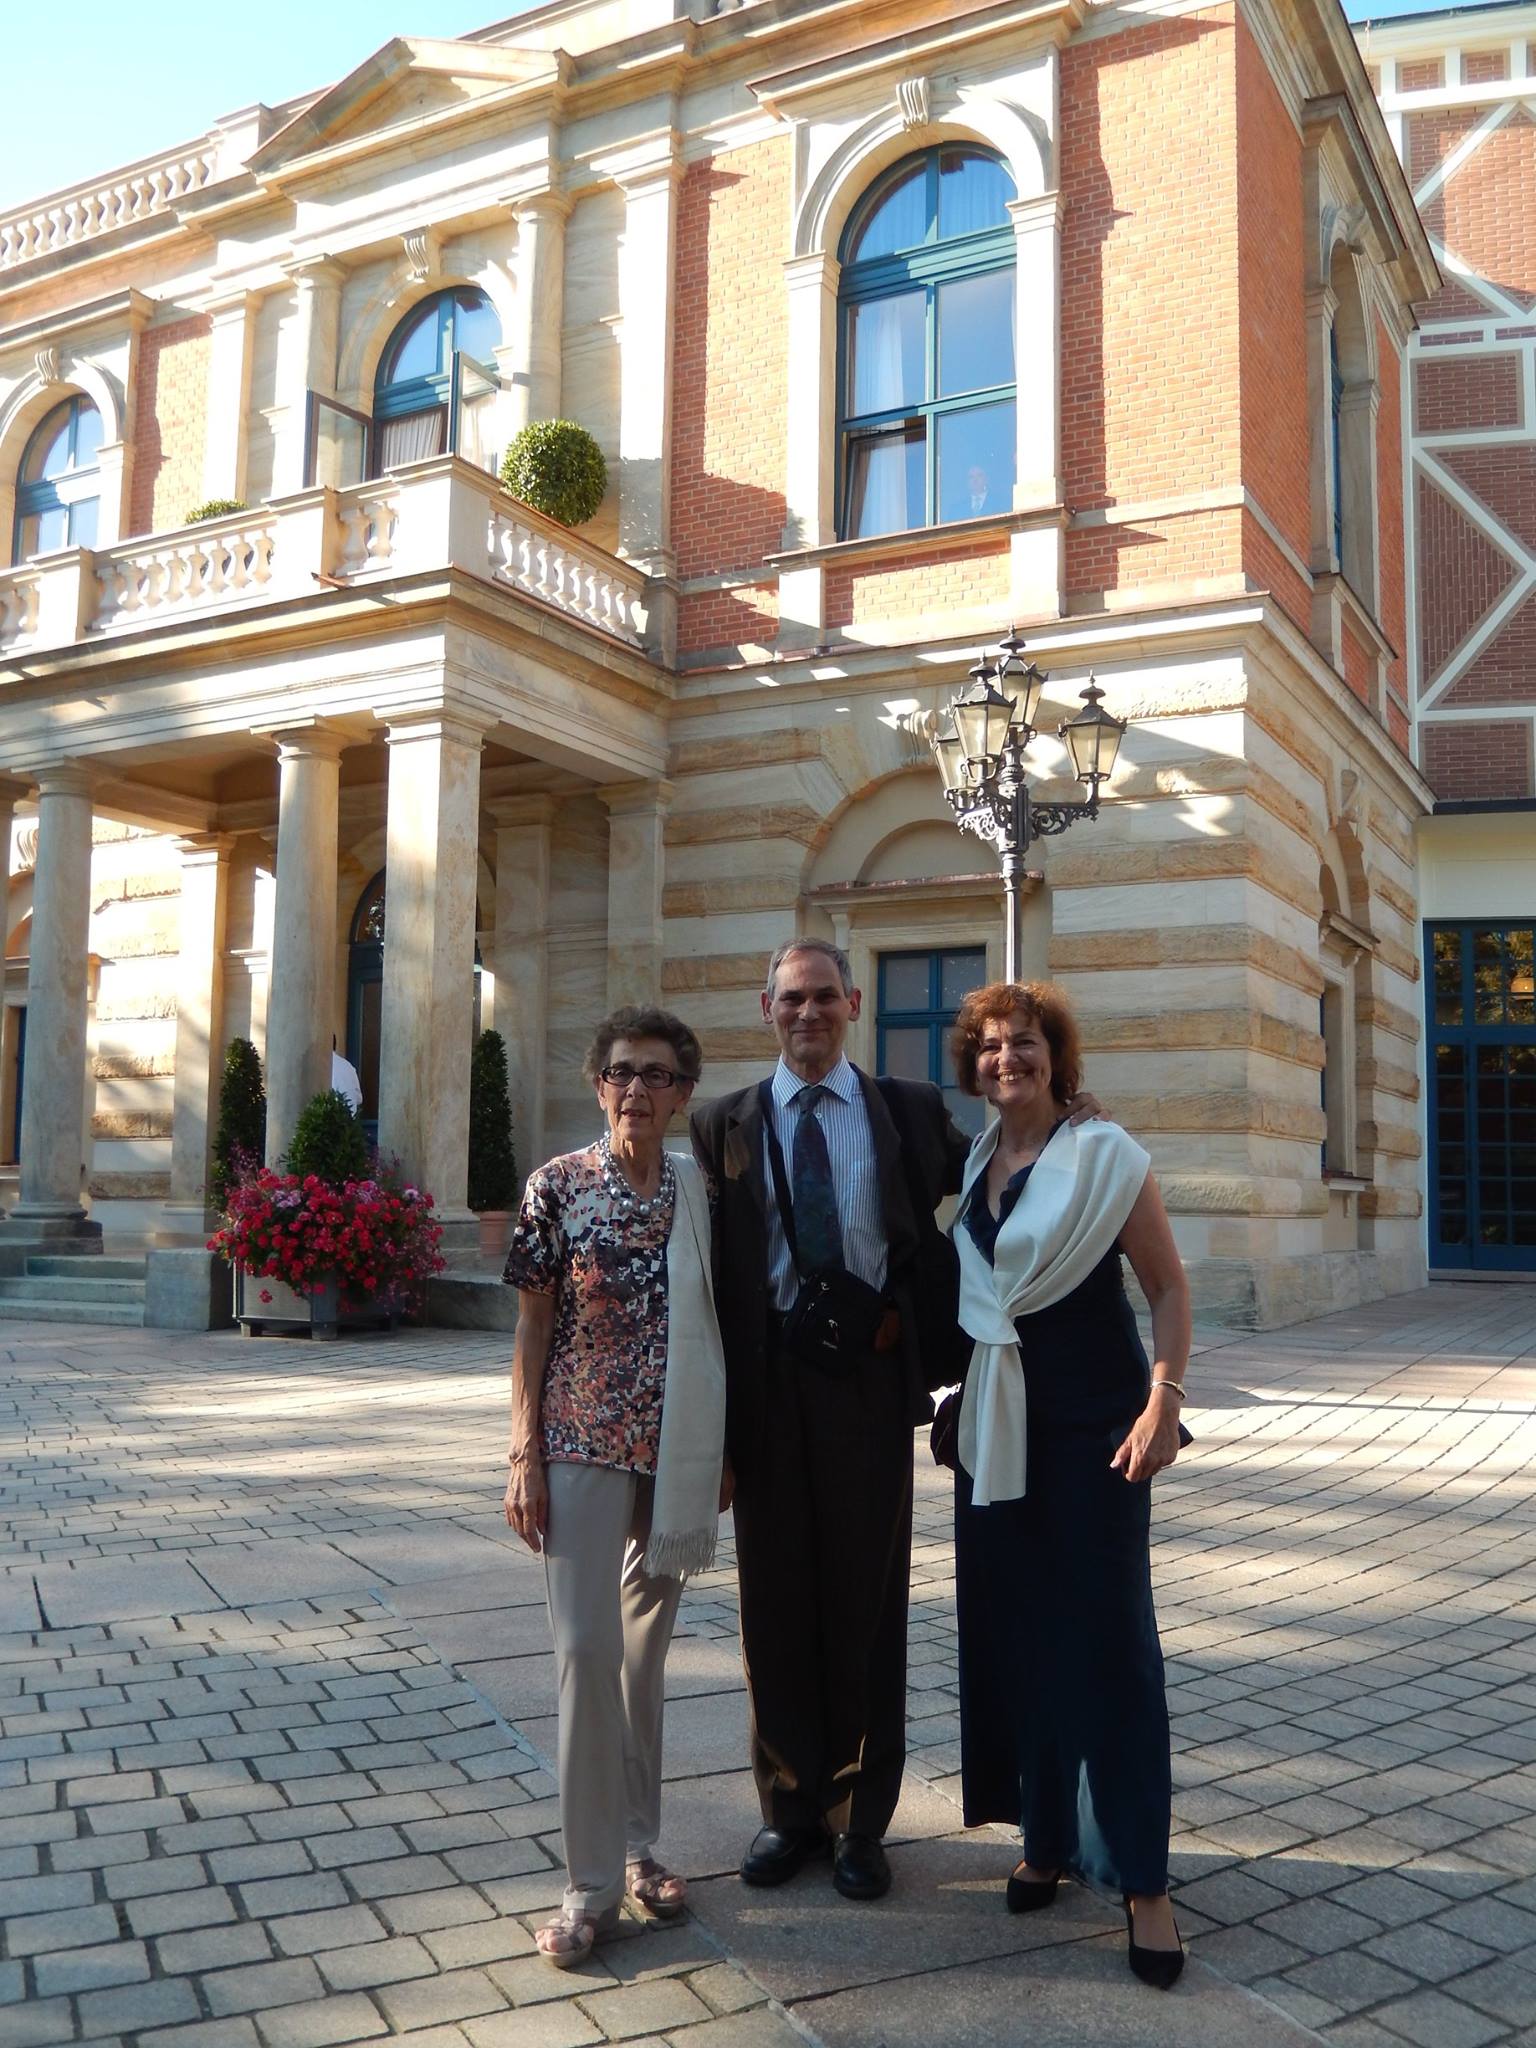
272, 1305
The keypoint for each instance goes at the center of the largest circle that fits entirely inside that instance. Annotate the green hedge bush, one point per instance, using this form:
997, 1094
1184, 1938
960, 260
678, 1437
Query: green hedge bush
240, 1140
329, 1141
215, 508
557, 468
492, 1163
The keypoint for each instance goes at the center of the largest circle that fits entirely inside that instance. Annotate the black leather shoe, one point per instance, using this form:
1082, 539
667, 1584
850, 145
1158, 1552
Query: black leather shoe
1031, 1894
777, 1853
1159, 1967
859, 1867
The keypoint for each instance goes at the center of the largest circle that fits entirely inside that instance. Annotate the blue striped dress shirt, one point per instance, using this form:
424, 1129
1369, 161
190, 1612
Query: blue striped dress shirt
855, 1182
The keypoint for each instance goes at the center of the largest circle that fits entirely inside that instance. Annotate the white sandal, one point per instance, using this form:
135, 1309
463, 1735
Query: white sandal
655, 1889
570, 1937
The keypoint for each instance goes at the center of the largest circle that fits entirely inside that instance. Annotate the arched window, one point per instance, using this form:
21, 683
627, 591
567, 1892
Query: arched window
926, 358
435, 381
58, 489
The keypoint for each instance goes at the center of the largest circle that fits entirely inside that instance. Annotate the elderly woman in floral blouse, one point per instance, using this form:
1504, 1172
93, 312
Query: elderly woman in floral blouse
618, 1424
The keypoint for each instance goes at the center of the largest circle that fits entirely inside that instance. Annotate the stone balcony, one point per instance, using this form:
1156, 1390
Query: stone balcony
434, 515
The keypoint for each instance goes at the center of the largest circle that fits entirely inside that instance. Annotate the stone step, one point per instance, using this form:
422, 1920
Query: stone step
85, 1288
127, 1314
97, 1267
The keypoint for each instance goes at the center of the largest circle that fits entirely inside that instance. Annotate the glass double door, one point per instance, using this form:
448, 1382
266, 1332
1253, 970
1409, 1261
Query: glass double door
1482, 1096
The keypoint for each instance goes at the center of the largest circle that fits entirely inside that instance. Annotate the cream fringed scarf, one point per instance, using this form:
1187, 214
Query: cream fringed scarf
1074, 1205
686, 1515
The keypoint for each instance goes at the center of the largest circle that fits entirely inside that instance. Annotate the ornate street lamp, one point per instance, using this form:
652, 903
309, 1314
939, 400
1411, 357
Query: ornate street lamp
979, 746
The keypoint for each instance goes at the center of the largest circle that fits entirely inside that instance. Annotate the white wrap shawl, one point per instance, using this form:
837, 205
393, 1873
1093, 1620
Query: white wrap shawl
685, 1518
1071, 1211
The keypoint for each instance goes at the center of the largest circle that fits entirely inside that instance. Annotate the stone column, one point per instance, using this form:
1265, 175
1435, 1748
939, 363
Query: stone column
810, 285
11, 792
520, 959
1038, 553
306, 362
229, 395
199, 1032
647, 274
301, 1000
53, 1100
529, 358
432, 848
637, 816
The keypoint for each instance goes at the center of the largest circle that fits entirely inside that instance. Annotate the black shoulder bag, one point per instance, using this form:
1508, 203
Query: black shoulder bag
836, 1314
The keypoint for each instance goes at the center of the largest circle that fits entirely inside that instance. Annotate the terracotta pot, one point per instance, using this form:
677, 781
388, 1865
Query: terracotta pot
496, 1232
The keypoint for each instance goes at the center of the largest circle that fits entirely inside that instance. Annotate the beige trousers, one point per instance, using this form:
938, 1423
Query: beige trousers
612, 1624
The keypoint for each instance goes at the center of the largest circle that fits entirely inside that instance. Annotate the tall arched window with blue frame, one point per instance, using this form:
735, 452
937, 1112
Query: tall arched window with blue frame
926, 379
436, 380
58, 487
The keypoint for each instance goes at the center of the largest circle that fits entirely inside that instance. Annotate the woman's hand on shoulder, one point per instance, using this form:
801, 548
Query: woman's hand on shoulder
526, 1504
1086, 1109
1152, 1443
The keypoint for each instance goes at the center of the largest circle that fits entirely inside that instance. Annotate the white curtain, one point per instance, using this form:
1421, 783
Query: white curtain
413, 438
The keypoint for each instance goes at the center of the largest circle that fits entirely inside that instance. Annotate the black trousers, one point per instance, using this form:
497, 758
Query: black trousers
824, 1547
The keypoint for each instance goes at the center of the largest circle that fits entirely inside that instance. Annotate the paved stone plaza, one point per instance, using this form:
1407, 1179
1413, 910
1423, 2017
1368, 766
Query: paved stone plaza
276, 1707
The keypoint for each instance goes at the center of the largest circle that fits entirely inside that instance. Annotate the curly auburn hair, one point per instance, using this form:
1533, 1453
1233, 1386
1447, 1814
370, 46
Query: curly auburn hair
1037, 1002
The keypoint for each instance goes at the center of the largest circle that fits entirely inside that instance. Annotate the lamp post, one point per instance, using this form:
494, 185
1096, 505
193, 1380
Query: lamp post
980, 744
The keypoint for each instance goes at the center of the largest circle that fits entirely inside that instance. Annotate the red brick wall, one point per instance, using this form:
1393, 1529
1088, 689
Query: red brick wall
730, 392
1276, 426
1423, 75
729, 618
1391, 482
1201, 547
1478, 760
915, 582
1460, 575
1478, 215
1484, 67
1433, 134
1466, 391
1357, 664
171, 408
1149, 267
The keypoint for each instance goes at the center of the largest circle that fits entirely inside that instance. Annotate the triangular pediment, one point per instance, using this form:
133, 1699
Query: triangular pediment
411, 80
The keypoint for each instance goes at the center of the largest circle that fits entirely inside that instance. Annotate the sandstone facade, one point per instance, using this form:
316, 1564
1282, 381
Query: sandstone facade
594, 765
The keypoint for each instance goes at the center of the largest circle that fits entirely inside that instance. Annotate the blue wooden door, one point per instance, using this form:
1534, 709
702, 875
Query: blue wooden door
1482, 1096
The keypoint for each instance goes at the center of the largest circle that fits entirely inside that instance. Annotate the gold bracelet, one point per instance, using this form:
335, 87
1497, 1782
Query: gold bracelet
1172, 1387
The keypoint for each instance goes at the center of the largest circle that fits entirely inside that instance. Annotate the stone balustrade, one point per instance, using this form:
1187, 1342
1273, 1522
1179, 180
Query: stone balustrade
425, 516
69, 218
219, 561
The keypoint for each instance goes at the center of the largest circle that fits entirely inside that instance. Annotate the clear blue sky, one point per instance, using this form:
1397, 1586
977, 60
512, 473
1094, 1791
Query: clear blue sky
94, 85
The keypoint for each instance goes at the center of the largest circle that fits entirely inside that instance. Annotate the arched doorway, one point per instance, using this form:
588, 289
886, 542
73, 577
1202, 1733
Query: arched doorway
365, 992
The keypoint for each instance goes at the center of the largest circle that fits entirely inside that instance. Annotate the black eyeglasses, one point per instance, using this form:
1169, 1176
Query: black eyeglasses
653, 1078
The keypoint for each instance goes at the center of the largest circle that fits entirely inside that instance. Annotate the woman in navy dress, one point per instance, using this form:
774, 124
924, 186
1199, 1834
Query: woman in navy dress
1064, 1723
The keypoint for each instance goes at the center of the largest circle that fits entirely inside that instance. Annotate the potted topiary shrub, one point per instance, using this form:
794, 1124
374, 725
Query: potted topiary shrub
329, 1239
556, 467
240, 1140
492, 1162
215, 508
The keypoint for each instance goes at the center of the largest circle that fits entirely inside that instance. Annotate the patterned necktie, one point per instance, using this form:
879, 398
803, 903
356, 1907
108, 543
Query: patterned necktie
817, 1228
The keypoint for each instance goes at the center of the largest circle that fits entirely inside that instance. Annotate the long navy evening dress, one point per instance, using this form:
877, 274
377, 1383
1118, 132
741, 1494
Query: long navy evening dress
1063, 1718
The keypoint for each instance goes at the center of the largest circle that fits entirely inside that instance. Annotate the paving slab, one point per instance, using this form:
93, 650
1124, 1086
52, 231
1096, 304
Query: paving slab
282, 1569
1342, 1566
109, 1589
1054, 1997
433, 1550
18, 1604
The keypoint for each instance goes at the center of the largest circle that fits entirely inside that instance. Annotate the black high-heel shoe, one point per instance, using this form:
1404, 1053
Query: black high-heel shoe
1159, 1967
1030, 1894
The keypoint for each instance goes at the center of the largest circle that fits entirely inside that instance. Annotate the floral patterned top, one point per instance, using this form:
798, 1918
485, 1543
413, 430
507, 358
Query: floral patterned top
584, 1235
